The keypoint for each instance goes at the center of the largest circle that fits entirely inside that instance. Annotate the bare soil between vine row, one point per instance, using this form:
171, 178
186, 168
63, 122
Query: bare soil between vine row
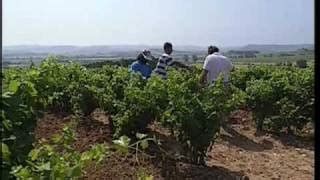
239, 152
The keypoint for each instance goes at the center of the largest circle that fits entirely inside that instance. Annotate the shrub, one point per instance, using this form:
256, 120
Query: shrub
58, 160
301, 63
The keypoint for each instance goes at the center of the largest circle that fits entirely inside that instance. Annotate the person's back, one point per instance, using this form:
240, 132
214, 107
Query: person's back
141, 66
217, 64
214, 65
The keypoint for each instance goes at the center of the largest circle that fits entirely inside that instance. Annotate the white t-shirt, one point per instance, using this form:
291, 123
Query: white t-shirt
215, 64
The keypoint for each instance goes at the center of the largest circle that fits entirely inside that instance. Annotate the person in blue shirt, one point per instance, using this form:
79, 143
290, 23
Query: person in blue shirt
141, 66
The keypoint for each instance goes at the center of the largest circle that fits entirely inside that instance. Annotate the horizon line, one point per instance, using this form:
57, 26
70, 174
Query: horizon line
81, 45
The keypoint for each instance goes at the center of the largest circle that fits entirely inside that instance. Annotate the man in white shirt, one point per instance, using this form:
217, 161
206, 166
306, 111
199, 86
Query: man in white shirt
214, 65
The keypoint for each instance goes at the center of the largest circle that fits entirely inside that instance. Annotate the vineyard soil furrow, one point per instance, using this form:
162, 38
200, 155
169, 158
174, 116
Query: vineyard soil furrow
226, 160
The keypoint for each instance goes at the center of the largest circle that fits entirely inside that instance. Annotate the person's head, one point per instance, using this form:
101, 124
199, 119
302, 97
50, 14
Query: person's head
212, 49
167, 47
146, 53
141, 58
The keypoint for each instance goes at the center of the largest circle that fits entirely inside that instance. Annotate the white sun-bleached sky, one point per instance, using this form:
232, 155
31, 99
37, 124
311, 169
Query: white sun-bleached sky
151, 22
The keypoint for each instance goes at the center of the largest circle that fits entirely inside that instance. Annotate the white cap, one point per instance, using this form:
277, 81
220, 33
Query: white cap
146, 54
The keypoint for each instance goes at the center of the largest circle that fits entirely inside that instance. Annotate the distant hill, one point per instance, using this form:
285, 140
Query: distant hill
107, 51
38, 52
269, 48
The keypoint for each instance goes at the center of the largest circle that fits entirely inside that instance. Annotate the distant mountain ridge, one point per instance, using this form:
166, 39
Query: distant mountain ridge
89, 49
125, 51
269, 48
103, 50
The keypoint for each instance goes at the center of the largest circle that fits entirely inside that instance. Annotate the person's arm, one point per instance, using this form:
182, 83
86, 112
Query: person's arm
203, 77
204, 73
181, 65
232, 68
147, 54
170, 62
153, 58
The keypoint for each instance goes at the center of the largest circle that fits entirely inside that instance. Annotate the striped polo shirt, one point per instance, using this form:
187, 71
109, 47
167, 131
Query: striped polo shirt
164, 61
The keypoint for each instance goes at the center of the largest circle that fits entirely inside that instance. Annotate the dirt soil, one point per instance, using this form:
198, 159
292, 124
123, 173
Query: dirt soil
262, 155
239, 152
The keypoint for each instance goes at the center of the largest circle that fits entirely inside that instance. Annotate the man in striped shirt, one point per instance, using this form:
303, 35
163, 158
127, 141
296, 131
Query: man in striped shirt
166, 60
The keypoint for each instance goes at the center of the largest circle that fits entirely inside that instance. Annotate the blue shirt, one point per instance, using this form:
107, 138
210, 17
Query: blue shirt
144, 69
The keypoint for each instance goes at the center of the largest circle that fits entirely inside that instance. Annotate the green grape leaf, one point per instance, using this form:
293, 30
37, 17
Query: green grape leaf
5, 152
14, 86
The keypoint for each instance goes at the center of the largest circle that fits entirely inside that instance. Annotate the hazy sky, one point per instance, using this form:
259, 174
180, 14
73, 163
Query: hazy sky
151, 22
